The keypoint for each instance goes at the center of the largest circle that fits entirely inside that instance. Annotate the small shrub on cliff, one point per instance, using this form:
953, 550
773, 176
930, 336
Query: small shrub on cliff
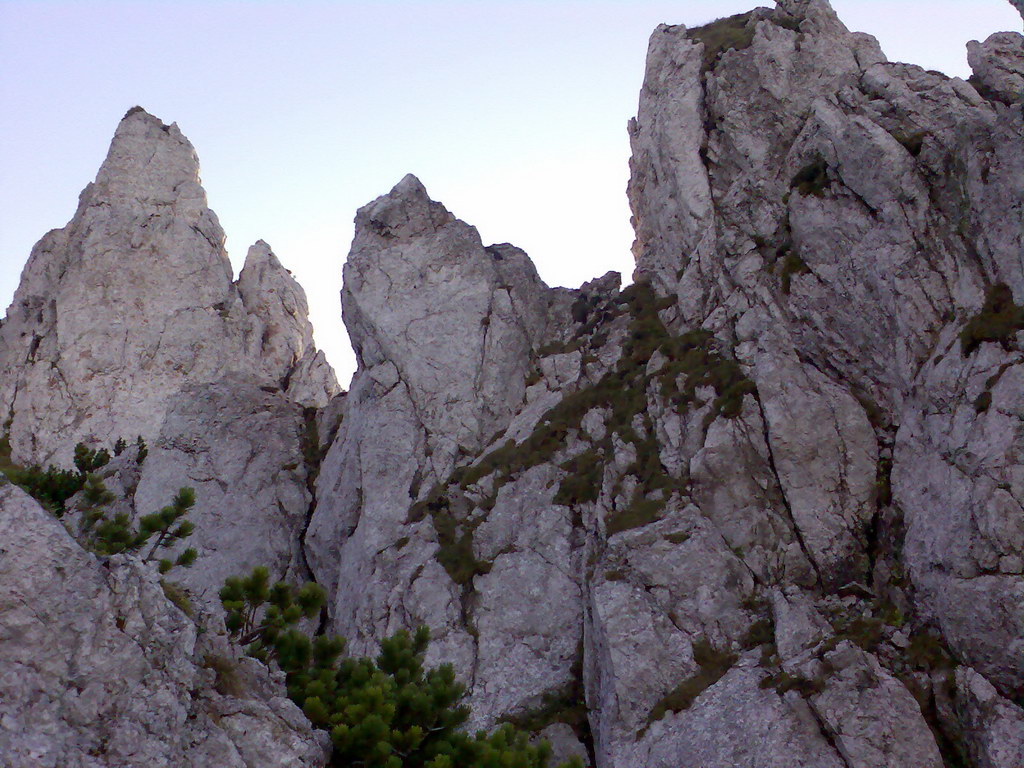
387, 712
999, 320
114, 535
730, 33
88, 460
262, 618
53, 486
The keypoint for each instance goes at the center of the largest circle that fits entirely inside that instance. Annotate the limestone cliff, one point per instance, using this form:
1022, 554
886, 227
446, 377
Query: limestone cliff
761, 508
133, 299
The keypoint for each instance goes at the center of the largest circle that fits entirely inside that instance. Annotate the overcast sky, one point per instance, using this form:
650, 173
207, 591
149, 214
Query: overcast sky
513, 114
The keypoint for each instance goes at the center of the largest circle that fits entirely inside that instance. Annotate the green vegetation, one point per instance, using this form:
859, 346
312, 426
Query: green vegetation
712, 663
107, 535
227, 681
783, 682
177, 595
729, 33
567, 705
983, 402
927, 670
792, 265
387, 712
262, 618
691, 362
761, 632
791, 23
639, 513
912, 142
53, 486
456, 547
812, 179
864, 631
677, 537
883, 481
999, 320
583, 483
454, 536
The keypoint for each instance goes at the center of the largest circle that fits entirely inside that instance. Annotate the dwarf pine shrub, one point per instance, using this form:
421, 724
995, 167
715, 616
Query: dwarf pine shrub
386, 712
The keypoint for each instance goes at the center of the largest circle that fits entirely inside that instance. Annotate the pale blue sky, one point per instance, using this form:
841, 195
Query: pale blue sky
513, 114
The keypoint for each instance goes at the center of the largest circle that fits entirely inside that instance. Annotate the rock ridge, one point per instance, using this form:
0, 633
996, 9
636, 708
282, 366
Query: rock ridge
761, 508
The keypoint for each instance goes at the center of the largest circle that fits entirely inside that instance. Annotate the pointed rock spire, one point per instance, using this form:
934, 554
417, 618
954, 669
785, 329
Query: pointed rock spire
148, 161
132, 300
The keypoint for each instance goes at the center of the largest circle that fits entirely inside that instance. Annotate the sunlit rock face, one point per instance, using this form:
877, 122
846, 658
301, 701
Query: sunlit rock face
757, 509
127, 324
134, 299
761, 508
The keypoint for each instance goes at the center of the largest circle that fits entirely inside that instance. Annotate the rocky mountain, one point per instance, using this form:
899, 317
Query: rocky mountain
762, 507
133, 300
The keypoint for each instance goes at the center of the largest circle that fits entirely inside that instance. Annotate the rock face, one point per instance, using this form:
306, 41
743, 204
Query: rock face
127, 323
443, 329
763, 507
133, 299
756, 509
244, 451
98, 668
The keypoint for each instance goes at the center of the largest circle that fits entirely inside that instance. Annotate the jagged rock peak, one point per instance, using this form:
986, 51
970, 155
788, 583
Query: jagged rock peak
148, 159
406, 211
819, 12
998, 65
134, 299
445, 331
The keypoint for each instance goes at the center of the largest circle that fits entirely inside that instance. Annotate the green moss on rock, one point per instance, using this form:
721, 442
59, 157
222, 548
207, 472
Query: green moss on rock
729, 33
713, 664
812, 179
999, 321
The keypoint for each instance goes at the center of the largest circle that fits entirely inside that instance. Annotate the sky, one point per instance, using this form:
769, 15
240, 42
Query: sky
513, 114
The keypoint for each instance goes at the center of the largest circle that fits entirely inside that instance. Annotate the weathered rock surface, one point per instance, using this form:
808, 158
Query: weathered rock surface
127, 323
755, 516
245, 452
443, 329
993, 727
998, 65
98, 668
762, 508
133, 299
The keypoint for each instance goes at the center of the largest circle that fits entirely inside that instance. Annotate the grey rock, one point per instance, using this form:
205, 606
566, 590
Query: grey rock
838, 249
133, 299
443, 330
279, 319
998, 64
872, 717
98, 668
762, 729
564, 744
993, 727
243, 451
685, 537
